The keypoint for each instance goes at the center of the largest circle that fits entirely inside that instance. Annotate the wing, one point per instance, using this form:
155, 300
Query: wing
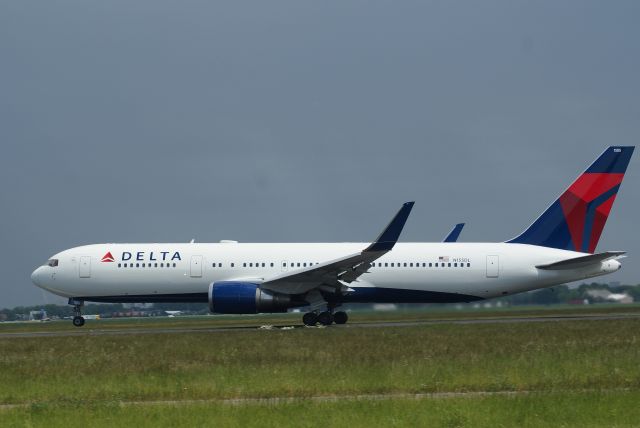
454, 234
333, 276
582, 261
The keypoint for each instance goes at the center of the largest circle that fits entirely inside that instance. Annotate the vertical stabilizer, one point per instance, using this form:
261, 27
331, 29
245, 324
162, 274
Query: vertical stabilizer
576, 219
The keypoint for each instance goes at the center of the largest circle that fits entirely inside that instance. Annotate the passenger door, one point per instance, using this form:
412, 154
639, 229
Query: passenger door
196, 266
493, 266
84, 268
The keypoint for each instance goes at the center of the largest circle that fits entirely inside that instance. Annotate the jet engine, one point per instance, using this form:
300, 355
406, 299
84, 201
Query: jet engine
236, 297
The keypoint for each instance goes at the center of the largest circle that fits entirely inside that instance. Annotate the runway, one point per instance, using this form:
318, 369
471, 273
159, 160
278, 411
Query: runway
87, 331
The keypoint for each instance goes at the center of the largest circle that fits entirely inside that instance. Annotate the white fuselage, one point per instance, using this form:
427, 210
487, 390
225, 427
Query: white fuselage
183, 272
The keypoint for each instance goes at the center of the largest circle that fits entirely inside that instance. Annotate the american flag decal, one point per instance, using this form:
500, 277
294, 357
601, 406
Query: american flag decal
443, 258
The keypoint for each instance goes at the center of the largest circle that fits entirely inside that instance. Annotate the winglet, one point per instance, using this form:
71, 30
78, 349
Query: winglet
454, 234
390, 234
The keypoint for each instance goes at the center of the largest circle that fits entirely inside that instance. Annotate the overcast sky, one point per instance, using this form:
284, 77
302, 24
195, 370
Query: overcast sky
304, 121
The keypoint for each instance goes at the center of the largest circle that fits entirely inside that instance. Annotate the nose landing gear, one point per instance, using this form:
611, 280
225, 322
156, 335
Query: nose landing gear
78, 319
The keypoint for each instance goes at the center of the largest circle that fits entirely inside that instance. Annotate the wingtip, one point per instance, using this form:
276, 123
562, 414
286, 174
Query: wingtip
389, 236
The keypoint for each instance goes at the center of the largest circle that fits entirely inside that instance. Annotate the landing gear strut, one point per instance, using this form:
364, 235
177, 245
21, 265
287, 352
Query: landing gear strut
78, 319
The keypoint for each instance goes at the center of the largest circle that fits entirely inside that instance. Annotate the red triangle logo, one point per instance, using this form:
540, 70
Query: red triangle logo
107, 257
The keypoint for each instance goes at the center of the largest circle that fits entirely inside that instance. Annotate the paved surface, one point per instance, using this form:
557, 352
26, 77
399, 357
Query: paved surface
88, 331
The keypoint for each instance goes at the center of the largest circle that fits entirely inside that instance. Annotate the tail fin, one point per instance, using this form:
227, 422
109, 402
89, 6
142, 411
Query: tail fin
576, 219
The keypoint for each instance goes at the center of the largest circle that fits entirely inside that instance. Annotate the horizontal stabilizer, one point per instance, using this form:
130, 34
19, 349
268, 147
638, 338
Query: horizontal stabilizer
579, 262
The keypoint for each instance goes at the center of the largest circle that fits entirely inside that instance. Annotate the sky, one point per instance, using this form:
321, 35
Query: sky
304, 121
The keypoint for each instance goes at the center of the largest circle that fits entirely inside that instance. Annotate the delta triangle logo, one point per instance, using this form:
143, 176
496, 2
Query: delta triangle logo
107, 258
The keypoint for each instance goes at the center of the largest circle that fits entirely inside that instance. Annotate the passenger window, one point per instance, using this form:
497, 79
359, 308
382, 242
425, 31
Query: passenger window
137, 264
455, 265
468, 264
449, 265
161, 264
118, 264
430, 265
410, 264
174, 265
233, 264
271, 264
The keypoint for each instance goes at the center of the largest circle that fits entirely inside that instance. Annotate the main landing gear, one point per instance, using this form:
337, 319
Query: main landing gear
325, 318
78, 319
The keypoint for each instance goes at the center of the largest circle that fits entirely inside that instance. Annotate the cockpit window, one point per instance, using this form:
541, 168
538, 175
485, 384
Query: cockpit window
53, 262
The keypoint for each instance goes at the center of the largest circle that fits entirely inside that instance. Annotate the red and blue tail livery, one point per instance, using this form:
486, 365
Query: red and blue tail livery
576, 219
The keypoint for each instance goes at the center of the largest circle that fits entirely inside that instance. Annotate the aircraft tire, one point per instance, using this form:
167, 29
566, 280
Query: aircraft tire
310, 319
78, 321
325, 318
340, 317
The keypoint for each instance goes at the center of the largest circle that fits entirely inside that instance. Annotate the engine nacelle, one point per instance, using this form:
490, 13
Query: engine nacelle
236, 297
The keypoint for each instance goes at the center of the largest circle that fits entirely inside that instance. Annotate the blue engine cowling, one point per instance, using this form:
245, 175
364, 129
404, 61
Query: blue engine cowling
236, 297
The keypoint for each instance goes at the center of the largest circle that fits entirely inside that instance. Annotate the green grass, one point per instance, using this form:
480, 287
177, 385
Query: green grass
573, 373
610, 409
305, 362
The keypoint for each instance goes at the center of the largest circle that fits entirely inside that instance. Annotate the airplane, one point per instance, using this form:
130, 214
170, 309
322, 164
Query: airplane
249, 278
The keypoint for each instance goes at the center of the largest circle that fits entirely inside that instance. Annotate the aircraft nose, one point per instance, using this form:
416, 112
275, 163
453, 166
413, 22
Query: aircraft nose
36, 276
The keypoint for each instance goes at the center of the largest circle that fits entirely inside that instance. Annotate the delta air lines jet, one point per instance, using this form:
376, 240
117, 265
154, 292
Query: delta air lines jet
237, 278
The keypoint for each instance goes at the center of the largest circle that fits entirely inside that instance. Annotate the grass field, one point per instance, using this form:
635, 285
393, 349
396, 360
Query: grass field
573, 373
